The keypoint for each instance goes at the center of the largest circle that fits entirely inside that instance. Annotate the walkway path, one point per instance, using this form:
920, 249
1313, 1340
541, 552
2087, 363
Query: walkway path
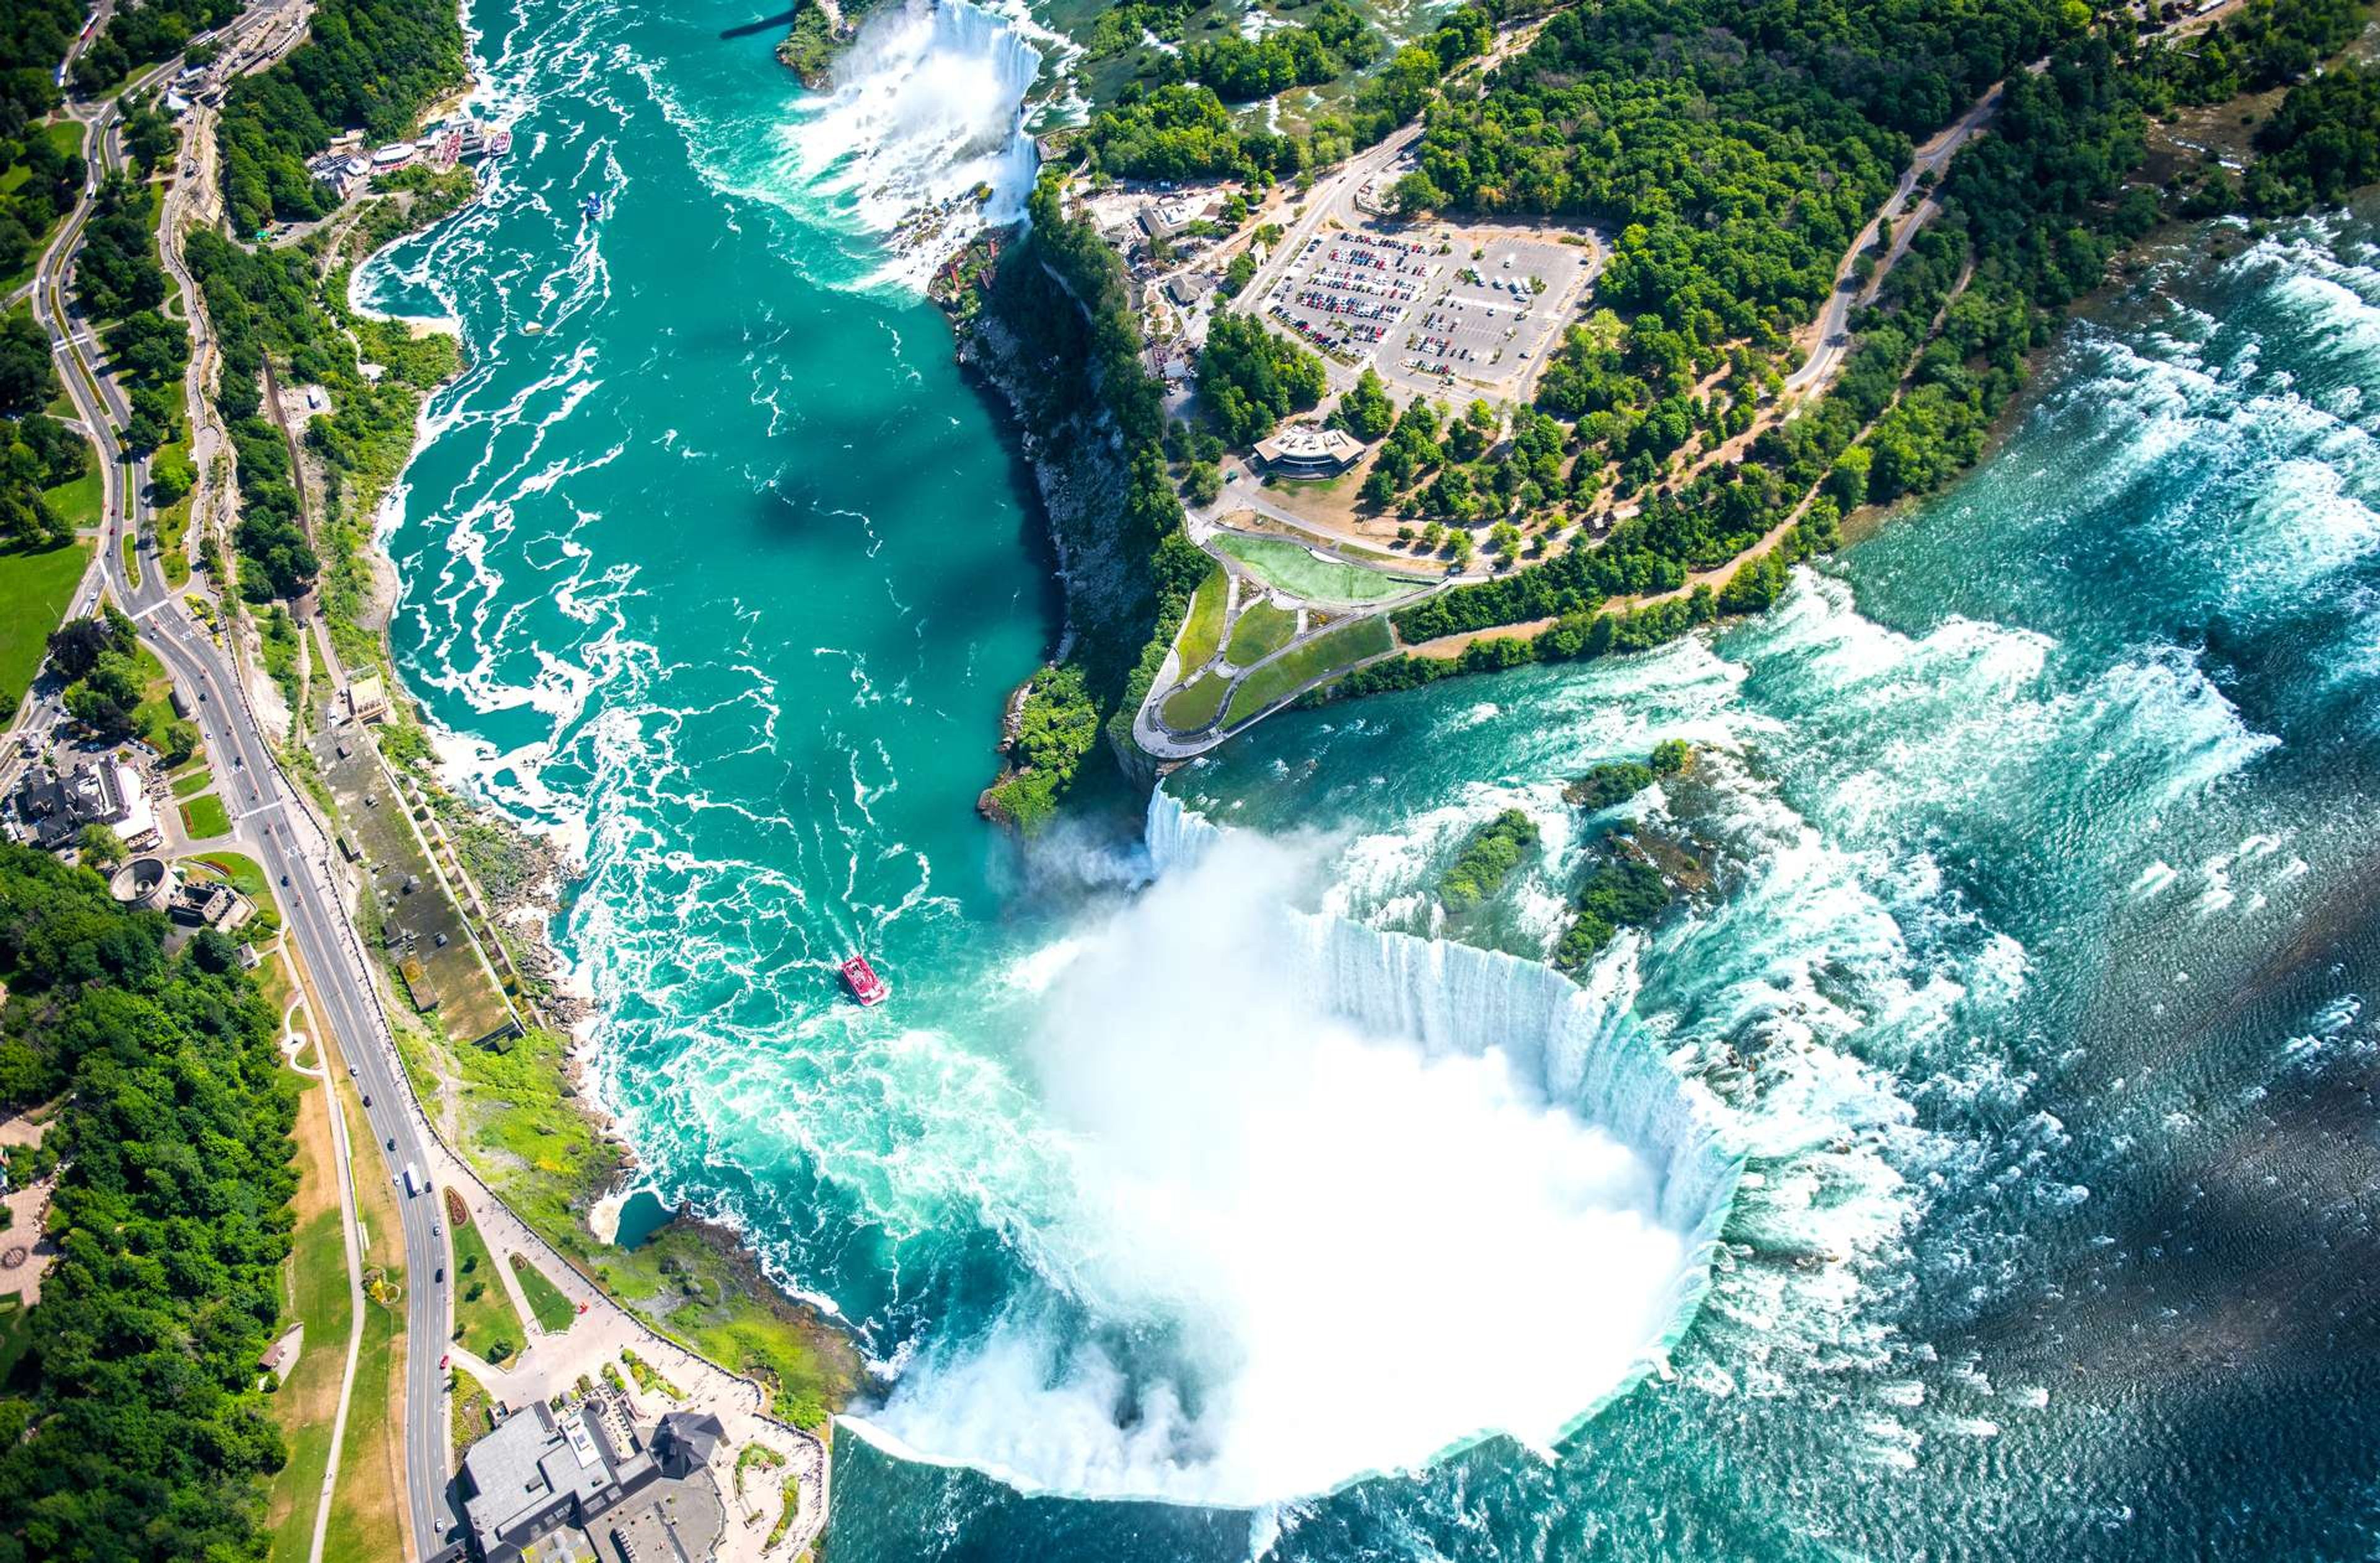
350, 1238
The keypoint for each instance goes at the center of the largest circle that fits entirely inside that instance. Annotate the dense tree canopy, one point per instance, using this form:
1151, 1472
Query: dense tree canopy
1182, 129
368, 65
1250, 380
134, 1429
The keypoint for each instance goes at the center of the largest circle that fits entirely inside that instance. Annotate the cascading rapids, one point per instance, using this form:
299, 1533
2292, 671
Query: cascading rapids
925, 115
1338, 1202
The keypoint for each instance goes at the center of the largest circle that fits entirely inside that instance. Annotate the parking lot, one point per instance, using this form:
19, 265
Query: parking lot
1429, 313
1350, 293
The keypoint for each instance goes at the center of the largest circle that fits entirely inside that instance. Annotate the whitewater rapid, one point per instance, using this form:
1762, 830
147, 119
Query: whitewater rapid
1321, 1184
2033, 829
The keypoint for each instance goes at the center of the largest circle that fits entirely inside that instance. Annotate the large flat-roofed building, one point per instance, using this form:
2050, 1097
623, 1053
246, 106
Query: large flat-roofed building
1304, 450
535, 1477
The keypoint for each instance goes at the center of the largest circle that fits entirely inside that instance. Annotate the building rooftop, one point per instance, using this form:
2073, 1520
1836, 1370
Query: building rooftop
1303, 446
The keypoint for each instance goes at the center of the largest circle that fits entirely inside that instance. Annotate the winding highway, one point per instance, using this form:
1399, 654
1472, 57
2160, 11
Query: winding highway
270, 820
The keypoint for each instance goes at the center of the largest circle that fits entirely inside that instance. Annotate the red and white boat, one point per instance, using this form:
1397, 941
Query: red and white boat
861, 978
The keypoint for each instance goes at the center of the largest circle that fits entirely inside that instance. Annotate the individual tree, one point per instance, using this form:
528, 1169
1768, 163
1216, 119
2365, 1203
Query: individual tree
101, 847
1366, 411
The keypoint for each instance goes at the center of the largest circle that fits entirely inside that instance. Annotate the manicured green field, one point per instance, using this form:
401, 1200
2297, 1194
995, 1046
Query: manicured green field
545, 1300
484, 1317
34, 590
1262, 630
154, 714
1340, 647
319, 1279
205, 818
78, 504
1202, 628
1295, 570
193, 782
1193, 705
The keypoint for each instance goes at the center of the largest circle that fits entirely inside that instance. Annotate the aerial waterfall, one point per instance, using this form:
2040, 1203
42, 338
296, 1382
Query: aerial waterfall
1303, 1139
921, 135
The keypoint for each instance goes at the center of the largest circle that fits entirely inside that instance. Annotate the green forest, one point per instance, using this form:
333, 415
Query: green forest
275, 304
133, 1428
142, 32
2032, 214
1183, 128
368, 65
37, 452
1062, 295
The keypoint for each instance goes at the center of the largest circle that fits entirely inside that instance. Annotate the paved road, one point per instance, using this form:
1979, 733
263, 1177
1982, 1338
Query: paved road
287, 840
1831, 330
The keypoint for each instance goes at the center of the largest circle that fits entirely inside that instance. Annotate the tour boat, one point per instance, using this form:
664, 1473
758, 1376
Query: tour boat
591, 208
861, 978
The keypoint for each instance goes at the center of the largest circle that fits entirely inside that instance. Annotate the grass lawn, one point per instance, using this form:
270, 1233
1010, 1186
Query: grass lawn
540, 1151
78, 504
364, 1509
174, 521
1202, 627
1339, 648
155, 711
1193, 705
131, 551
1295, 570
1262, 630
34, 590
15, 1335
191, 783
245, 875
471, 1413
314, 1292
486, 1320
205, 818
554, 1311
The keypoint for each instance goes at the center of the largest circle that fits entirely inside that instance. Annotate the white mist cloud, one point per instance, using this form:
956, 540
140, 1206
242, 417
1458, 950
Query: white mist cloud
1291, 1252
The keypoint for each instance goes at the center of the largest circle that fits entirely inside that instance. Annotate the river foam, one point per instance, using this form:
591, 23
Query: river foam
1338, 1201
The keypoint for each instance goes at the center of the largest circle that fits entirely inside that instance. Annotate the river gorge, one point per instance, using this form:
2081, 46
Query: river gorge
1982, 1142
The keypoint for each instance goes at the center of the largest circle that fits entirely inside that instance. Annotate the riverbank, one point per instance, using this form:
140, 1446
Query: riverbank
522, 1112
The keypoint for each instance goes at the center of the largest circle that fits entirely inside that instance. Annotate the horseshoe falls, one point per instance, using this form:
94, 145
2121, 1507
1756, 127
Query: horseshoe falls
1975, 1164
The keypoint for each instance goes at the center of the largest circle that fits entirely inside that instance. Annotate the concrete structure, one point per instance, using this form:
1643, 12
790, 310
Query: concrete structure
144, 882
1163, 219
535, 1478
1304, 450
210, 903
396, 154
1186, 289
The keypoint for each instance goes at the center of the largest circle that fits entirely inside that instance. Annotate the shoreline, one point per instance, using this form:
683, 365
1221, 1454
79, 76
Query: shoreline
575, 1209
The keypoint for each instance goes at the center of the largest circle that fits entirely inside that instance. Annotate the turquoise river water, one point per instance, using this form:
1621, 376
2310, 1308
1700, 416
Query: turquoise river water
1980, 1166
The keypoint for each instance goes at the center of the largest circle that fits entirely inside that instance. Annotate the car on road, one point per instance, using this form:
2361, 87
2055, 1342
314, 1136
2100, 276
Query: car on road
441, 1275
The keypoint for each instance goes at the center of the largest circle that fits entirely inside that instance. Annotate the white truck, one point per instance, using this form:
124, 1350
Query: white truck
414, 1184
